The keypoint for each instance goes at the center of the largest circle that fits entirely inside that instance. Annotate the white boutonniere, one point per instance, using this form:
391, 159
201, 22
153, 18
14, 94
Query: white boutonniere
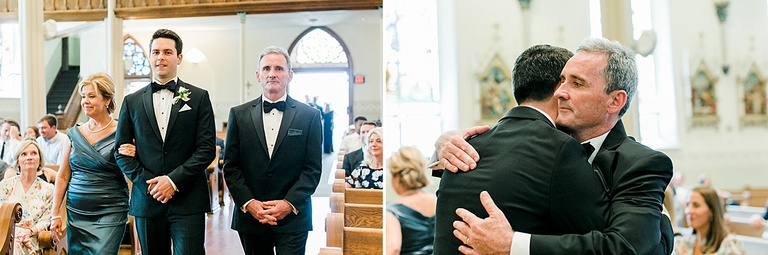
183, 95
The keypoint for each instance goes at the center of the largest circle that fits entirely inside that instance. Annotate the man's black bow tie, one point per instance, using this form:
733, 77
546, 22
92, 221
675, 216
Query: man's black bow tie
588, 148
280, 106
171, 86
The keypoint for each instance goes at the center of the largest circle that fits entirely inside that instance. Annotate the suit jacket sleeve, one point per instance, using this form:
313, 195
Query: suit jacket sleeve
313, 161
634, 218
233, 172
205, 147
130, 165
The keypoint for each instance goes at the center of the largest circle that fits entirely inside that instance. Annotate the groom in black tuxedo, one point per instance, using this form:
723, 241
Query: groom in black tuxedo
172, 125
272, 162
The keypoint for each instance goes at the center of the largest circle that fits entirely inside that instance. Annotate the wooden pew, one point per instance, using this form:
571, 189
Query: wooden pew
754, 245
48, 243
340, 174
363, 216
364, 196
741, 226
10, 214
744, 211
353, 240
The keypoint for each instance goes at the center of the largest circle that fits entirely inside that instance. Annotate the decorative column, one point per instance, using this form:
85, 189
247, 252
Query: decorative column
617, 26
244, 92
114, 37
32, 62
525, 5
721, 6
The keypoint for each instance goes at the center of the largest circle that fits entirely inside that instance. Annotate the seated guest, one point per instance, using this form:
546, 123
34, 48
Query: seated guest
51, 141
32, 132
32, 193
411, 219
353, 158
369, 174
15, 130
8, 145
710, 234
353, 141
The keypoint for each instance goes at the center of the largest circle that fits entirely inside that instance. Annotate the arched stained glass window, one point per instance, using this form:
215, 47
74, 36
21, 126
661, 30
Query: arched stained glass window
318, 48
136, 64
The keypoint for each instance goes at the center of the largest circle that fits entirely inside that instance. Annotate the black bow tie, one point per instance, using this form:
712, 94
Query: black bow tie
170, 86
588, 148
280, 106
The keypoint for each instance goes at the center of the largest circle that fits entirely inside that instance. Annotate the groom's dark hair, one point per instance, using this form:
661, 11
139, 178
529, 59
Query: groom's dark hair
167, 33
536, 74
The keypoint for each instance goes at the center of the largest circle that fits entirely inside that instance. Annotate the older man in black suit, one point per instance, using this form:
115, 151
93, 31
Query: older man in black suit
539, 175
272, 162
172, 125
598, 85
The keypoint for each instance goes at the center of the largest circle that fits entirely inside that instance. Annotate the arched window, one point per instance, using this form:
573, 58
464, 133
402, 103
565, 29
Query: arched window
318, 48
10, 61
322, 68
136, 65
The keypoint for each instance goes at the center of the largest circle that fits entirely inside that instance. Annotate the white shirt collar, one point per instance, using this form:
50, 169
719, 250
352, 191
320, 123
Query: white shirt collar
283, 98
596, 142
175, 79
542, 113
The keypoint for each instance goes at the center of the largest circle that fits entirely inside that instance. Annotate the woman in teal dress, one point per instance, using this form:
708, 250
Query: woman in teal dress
96, 191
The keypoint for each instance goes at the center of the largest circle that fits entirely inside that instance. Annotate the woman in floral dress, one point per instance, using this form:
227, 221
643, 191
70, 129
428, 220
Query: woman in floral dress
370, 173
34, 195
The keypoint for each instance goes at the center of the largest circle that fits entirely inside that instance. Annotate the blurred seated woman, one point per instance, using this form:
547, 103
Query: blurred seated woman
411, 219
44, 173
370, 173
32, 132
33, 193
710, 234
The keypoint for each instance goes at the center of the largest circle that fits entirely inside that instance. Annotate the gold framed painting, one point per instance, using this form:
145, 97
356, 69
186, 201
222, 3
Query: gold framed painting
753, 95
495, 90
703, 98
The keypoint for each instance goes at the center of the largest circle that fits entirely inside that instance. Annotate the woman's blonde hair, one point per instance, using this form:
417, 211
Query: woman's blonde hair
717, 228
409, 164
367, 156
23, 145
104, 84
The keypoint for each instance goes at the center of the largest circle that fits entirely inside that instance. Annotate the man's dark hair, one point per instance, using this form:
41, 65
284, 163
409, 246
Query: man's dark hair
369, 123
537, 72
167, 33
13, 123
360, 118
50, 119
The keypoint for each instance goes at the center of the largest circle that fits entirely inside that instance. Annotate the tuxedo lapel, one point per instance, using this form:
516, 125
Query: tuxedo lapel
285, 124
175, 109
607, 158
149, 108
258, 123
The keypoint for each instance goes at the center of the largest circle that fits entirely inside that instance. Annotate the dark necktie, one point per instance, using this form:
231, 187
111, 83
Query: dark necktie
170, 86
588, 148
2, 151
280, 106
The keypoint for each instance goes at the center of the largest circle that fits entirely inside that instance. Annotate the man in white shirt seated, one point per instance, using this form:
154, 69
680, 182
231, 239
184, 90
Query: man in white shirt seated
51, 141
7, 145
353, 141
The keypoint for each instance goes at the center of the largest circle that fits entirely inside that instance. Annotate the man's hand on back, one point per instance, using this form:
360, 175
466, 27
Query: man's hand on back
454, 151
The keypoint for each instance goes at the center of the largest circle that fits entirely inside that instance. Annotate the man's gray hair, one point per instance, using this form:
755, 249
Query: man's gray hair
278, 50
621, 70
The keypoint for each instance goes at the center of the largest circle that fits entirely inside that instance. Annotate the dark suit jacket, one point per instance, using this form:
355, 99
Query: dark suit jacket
536, 174
187, 151
352, 160
634, 177
292, 173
